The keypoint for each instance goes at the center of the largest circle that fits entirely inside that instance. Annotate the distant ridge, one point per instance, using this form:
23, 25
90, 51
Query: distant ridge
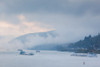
89, 44
31, 39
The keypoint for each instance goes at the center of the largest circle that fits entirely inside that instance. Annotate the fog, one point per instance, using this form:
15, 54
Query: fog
71, 20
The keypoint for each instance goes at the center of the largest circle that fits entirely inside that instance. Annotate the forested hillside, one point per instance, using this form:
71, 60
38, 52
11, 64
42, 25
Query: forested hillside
87, 45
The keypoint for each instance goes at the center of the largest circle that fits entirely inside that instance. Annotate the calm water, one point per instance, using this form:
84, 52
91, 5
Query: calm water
46, 59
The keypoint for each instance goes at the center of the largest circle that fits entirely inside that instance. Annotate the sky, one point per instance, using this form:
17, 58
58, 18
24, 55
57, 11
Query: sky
72, 19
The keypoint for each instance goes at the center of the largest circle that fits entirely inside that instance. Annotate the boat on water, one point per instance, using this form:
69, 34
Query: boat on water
37, 51
92, 55
84, 54
24, 53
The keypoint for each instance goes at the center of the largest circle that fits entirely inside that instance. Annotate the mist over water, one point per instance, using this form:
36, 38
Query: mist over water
72, 20
49, 33
34, 39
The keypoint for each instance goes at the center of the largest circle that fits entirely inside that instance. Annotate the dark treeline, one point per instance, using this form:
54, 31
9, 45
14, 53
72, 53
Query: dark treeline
89, 44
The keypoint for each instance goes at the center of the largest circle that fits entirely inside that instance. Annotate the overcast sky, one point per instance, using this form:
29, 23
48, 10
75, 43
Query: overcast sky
72, 19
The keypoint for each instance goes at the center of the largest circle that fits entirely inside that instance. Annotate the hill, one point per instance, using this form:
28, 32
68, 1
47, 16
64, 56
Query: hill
32, 39
89, 44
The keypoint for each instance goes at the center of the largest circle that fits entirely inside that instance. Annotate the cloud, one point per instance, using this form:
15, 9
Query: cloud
72, 19
21, 17
74, 7
22, 28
